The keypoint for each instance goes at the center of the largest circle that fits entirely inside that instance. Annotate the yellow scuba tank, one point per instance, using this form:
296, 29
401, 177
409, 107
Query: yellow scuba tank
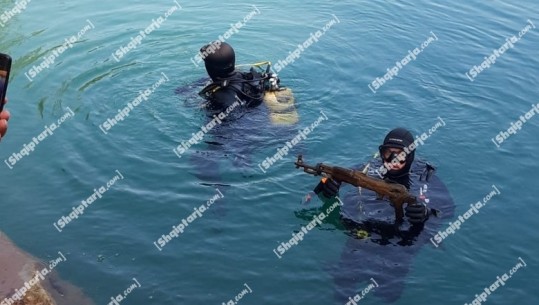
281, 106
280, 101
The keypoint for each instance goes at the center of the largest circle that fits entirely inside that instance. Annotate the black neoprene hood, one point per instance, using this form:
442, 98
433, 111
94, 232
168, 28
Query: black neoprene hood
221, 63
399, 138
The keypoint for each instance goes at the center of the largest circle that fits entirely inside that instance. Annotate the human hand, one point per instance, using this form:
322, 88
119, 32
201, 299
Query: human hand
328, 186
417, 213
4, 117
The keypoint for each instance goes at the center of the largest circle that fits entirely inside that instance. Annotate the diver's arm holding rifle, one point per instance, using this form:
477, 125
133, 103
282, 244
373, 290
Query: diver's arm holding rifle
396, 193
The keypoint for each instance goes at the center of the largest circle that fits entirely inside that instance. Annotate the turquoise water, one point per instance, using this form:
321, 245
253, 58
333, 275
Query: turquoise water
231, 245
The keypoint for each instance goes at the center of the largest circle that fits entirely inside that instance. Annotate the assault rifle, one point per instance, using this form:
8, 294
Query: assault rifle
396, 193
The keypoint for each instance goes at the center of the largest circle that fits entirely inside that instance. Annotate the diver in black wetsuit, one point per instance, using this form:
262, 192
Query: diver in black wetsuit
397, 154
229, 85
378, 246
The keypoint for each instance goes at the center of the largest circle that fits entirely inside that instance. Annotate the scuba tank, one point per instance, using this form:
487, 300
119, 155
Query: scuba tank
279, 100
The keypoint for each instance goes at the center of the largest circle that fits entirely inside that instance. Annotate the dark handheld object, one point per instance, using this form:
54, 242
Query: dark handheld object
329, 187
5, 68
396, 193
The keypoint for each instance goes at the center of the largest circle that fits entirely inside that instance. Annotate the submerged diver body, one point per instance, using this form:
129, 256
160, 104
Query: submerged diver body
237, 94
381, 247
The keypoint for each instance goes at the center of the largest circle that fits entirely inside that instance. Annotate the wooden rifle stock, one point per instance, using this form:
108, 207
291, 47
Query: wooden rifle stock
396, 193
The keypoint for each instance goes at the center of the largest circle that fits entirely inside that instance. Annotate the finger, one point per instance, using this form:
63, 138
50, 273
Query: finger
415, 216
4, 115
415, 207
415, 213
415, 210
3, 127
415, 220
329, 194
334, 183
332, 187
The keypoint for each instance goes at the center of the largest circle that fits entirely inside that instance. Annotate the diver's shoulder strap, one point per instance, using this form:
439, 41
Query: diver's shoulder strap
237, 82
210, 89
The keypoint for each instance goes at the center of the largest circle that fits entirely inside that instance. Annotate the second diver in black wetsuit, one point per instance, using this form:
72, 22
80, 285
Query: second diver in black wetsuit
230, 85
397, 167
237, 139
378, 246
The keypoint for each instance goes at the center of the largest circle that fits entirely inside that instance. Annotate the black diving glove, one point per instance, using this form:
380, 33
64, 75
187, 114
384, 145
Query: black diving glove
417, 213
329, 187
